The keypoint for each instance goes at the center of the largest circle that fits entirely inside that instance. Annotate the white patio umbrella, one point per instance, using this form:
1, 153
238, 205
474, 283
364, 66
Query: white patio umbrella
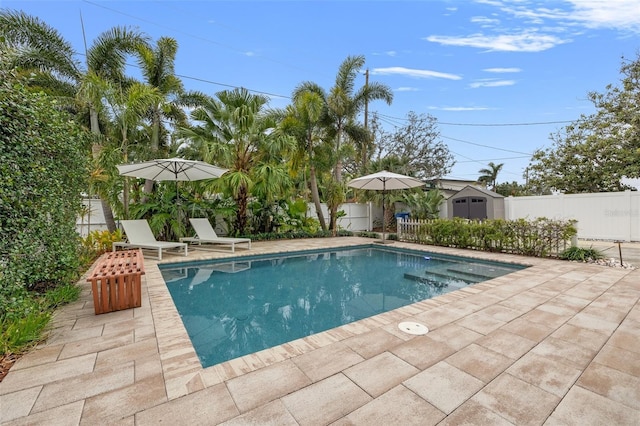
384, 181
172, 169
175, 169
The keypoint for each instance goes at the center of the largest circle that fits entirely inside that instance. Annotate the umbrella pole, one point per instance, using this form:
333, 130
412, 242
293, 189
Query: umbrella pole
178, 202
383, 215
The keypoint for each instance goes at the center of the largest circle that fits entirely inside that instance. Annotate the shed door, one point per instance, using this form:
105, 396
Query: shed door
461, 207
477, 208
470, 207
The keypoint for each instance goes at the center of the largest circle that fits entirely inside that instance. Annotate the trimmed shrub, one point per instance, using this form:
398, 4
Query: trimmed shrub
541, 237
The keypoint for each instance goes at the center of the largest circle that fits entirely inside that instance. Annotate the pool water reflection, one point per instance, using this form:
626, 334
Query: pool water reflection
234, 308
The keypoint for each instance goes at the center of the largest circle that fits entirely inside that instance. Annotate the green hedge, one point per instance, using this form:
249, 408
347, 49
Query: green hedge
43, 164
541, 237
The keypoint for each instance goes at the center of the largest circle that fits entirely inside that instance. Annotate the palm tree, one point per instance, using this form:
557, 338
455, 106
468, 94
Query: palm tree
489, 175
127, 108
303, 120
237, 133
33, 46
344, 103
157, 65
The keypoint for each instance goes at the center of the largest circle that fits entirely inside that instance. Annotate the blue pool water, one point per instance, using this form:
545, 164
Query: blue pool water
236, 307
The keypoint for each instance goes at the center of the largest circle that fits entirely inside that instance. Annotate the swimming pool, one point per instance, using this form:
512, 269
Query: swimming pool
242, 305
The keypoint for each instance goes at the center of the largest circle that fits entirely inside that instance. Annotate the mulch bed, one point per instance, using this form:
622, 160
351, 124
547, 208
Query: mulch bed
5, 364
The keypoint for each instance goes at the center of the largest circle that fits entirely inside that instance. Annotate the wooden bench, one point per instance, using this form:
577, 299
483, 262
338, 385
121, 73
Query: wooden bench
116, 281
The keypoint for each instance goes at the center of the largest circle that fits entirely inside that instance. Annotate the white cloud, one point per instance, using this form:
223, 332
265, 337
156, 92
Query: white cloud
615, 14
407, 89
249, 53
391, 53
414, 73
528, 41
491, 83
502, 70
484, 21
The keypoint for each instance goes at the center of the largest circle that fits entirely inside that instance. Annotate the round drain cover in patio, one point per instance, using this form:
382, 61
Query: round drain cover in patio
413, 328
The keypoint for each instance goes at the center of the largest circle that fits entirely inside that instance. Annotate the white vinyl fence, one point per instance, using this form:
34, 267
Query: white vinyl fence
358, 217
600, 216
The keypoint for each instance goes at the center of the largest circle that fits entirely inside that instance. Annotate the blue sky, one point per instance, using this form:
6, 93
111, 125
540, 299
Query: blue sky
489, 70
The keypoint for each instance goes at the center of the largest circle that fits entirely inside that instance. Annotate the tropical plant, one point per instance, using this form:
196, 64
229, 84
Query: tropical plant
581, 254
424, 205
344, 103
489, 175
127, 108
237, 132
157, 65
302, 119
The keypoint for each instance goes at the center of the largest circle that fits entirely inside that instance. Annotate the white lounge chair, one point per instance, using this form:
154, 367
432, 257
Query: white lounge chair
139, 235
205, 234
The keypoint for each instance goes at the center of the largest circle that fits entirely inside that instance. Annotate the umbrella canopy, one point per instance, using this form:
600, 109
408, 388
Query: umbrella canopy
383, 181
175, 169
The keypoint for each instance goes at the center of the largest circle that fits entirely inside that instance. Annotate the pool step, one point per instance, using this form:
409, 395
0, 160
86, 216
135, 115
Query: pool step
452, 284
480, 271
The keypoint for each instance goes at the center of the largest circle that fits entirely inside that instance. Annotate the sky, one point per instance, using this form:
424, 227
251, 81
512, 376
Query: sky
500, 76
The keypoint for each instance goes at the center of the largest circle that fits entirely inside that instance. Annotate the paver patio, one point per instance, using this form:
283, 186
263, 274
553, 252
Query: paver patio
556, 343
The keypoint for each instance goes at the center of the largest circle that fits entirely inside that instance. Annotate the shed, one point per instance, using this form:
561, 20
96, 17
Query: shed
472, 202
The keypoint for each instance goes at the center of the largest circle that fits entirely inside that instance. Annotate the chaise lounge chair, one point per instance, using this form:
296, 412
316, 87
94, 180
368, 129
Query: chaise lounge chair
205, 234
139, 235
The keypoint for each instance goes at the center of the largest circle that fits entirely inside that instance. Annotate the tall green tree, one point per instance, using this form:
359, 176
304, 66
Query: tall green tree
158, 69
303, 119
415, 148
127, 108
236, 131
344, 103
595, 152
489, 175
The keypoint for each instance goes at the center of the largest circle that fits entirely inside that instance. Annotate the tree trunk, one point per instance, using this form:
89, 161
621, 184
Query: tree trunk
315, 196
108, 215
155, 146
241, 213
337, 175
107, 211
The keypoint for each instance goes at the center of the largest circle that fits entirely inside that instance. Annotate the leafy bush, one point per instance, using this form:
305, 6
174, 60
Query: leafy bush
43, 167
18, 333
99, 242
581, 254
540, 237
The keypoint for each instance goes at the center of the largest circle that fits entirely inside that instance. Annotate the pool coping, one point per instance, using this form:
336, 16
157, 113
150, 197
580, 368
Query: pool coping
184, 374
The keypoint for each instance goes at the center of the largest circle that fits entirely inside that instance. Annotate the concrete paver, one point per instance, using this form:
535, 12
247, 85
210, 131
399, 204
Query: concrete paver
517, 401
262, 386
398, 406
325, 401
379, 374
444, 386
557, 343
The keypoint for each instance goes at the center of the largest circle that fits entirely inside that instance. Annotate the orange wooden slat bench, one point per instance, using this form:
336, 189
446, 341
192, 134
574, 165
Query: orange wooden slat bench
116, 281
